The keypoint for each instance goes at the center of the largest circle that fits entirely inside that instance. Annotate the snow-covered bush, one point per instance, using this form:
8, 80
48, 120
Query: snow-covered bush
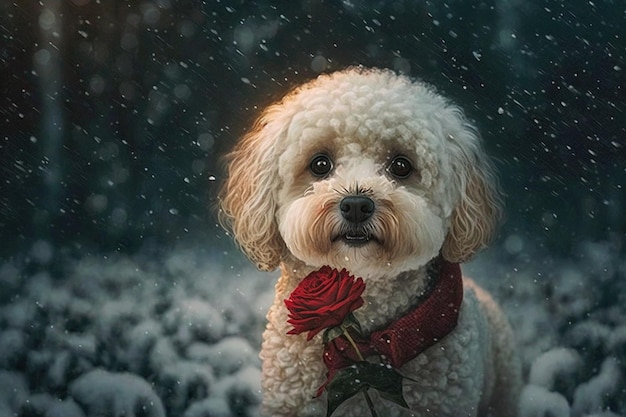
103, 393
180, 336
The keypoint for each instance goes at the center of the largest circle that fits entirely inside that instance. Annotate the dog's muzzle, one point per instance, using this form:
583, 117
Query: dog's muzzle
356, 211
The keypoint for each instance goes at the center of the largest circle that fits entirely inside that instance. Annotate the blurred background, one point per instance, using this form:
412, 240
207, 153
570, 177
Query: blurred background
114, 114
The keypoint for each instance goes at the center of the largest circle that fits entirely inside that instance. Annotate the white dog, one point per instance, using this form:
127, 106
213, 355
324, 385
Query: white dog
370, 171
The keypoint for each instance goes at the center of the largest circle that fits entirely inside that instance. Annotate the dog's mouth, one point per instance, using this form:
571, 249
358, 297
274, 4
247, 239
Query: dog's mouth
356, 238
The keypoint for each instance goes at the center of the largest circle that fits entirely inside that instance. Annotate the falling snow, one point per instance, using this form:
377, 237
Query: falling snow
120, 291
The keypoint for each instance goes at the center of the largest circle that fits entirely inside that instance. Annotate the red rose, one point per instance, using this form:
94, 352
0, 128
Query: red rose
322, 300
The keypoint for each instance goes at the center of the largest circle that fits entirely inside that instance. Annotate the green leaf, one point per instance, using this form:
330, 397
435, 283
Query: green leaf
332, 333
349, 322
395, 397
360, 377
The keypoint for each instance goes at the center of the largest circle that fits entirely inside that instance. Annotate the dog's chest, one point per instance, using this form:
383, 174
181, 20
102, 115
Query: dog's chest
389, 298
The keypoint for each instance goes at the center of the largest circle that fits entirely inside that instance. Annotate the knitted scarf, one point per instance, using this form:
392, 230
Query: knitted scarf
410, 335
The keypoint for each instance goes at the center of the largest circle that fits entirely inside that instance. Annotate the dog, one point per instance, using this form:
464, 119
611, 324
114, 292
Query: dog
374, 172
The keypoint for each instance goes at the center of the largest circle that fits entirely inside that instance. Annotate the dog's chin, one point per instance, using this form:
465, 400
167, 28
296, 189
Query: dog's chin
356, 239
364, 252
366, 256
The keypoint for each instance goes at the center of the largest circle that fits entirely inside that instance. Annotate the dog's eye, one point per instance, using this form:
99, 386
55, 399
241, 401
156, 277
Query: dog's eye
400, 167
321, 165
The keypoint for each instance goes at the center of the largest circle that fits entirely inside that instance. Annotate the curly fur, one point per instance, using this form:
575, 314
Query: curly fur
283, 215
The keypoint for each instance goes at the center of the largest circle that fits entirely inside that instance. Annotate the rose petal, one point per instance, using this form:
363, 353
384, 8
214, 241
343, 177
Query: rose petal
323, 299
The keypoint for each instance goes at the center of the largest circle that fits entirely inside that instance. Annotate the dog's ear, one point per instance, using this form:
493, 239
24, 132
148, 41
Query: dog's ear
475, 218
248, 197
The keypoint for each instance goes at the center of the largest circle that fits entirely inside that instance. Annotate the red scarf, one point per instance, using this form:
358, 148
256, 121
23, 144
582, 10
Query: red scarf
410, 335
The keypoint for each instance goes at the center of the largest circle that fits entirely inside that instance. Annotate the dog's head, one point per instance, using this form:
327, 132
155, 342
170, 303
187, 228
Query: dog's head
361, 169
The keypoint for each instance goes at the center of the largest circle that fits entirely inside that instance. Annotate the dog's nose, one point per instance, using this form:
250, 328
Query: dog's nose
356, 209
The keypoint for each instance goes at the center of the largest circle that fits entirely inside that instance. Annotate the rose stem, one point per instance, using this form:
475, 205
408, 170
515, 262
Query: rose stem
370, 404
351, 340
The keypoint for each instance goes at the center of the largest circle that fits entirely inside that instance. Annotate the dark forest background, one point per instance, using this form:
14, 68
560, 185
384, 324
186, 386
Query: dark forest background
113, 114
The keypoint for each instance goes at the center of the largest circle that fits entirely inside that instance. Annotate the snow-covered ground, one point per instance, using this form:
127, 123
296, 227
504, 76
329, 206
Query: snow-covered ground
569, 317
179, 334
